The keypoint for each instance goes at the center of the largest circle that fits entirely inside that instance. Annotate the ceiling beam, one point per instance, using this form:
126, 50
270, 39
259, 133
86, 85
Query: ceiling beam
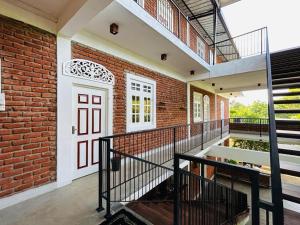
78, 14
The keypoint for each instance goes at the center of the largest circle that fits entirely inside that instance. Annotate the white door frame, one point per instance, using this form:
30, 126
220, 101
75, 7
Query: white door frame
65, 163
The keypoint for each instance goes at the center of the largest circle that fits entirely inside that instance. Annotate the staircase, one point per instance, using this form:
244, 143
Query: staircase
286, 97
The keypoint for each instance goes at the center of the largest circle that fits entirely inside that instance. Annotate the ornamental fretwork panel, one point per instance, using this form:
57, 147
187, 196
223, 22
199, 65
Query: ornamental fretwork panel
85, 69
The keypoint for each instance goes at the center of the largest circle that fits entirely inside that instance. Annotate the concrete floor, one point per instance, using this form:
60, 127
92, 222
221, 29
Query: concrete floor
74, 204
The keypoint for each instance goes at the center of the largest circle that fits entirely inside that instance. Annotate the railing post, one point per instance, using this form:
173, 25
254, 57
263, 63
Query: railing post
174, 141
221, 127
108, 213
100, 177
177, 221
260, 128
202, 139
255, 199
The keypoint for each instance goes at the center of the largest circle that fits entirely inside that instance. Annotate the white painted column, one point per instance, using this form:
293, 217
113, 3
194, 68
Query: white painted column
188, 102
64, 117
188, 106
216, 107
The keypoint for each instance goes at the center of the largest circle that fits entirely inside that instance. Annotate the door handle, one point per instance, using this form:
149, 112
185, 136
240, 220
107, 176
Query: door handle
73, 129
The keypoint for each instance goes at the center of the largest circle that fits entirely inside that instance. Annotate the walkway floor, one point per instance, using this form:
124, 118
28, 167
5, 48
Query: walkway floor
71, 205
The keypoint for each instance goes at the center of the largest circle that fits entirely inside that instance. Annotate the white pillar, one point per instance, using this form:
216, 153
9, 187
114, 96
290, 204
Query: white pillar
64, 118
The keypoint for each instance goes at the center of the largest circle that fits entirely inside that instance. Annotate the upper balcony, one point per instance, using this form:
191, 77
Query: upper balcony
150, 28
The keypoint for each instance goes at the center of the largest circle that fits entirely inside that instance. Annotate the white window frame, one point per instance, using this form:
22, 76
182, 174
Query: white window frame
200, 48
188, 34
197, 107
140, 2
141, 125
206, 108
165, 14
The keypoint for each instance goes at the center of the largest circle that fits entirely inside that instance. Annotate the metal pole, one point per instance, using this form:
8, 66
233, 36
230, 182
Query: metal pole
177, 221
174, 141
221, 127
215, 36
108, 213
260, 127
100, 177
255, 199
202, 139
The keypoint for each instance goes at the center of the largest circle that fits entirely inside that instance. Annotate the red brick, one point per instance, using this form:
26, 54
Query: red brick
26, 74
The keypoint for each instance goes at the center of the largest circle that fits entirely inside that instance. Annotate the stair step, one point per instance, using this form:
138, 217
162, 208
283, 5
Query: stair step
286, 69
290, 172
295, 93
286, 86
290, 53
287, 111
285, 63
291, 198
287, 122
286, 75
289, 152
290, 80
288, 101
280, 56
288, 134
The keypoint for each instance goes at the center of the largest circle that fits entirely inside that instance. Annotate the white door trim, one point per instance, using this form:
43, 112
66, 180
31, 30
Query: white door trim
65, 163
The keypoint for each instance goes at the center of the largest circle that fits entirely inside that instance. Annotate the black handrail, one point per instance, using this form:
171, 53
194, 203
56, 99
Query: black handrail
234, 207
274, 156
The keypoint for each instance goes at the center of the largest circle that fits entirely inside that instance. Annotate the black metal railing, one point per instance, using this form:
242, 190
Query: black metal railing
172, 18
159, 145
242, 46
127, 177
252, 125
277, 204
205, 200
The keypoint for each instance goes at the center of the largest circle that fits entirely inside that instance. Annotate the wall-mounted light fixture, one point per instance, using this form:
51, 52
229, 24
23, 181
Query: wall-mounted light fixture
163, 57
192, 72
114, 28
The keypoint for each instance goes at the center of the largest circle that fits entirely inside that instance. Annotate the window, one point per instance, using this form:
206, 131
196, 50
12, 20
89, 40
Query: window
188, 37
206, 108
165, 14
140, 2
200, 48
197, 107
140, 103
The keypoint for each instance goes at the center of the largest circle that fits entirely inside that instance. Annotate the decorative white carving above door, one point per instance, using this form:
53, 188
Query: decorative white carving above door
85, 69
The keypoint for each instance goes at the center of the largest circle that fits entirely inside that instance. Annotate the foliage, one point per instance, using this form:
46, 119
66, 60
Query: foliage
257, 109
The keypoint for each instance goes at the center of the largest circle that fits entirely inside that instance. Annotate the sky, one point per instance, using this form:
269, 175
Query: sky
282, 18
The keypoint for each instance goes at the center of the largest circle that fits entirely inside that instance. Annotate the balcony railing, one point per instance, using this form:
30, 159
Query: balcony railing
172, 18
252, 43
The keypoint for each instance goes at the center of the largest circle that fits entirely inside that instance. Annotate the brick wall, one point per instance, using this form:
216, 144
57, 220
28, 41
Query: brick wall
170, 93
151, 7
28, 125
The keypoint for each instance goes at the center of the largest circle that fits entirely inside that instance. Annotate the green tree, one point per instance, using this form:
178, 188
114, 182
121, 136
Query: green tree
257, 109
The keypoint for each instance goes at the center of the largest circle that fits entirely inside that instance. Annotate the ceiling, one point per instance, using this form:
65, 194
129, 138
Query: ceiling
135, 35
237, 82
50, 9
